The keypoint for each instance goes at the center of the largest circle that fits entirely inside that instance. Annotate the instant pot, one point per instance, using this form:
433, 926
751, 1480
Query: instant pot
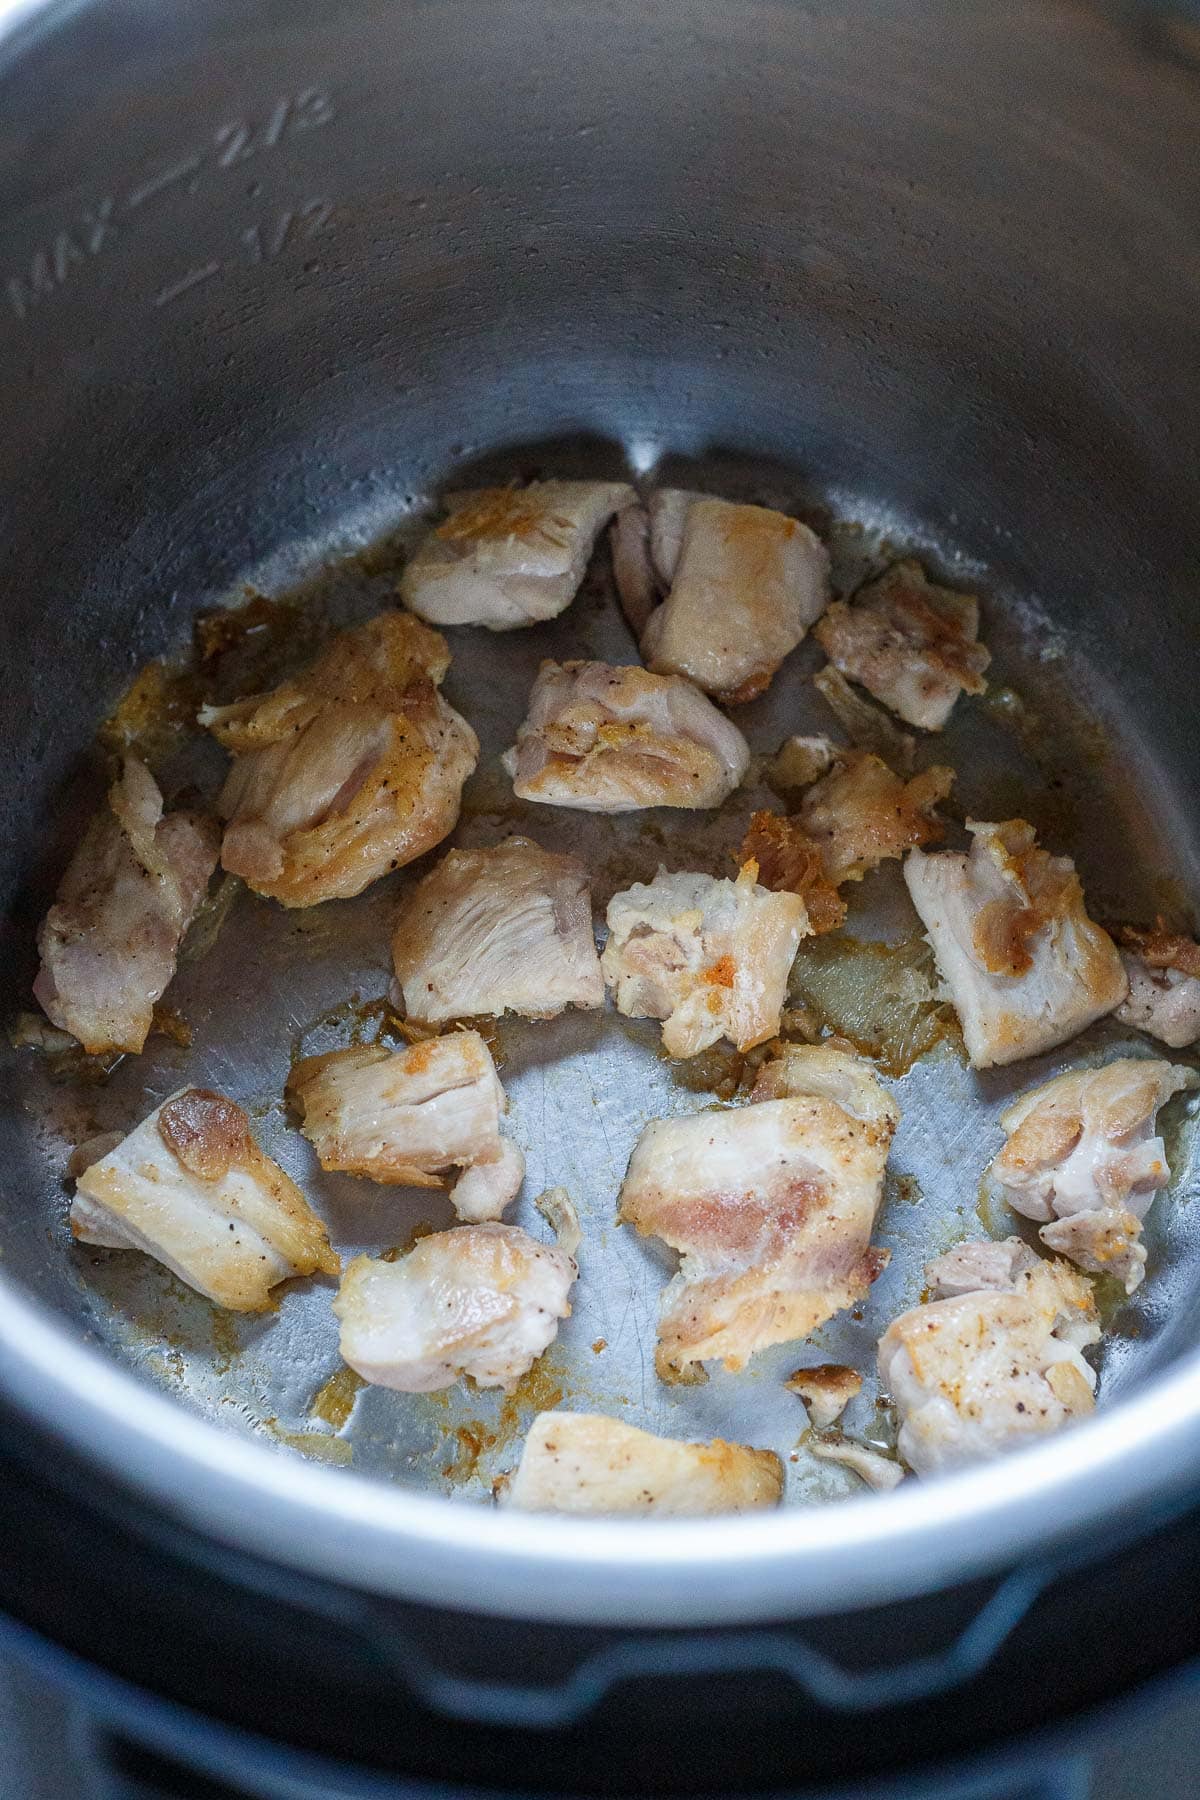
269, 270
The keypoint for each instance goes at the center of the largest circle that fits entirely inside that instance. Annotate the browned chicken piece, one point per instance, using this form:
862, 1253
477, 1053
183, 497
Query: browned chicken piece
407, 1117
771, 1206
1025, 965
790, 861
481, 1300
507, 929
743, 587
1163, 967
351, 769
873, 1468
647, 541
799, 761
992, 1368
612, 740
1084, 1159
586, 1463
860, 814
108, 944
826, 1391
866, 725
710, 958
911, 644
507, 557
851, 820
191, 1188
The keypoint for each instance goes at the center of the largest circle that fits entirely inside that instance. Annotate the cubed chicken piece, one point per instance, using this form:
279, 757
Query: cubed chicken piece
613, 740
481, 1300
911, 644
860, 814
826, 1391
1025, 965
510, 556
669, 510
406, 1117
493, 931
871, 1466
980, 1264
351, 769
1084, 1160
990, 1370
586, 1463
109, 943
771, 1206
647, 538
191, 1188
851, 820
710, 958
1163, 968
743, 586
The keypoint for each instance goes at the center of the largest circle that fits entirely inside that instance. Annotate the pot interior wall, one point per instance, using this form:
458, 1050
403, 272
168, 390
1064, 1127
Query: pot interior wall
268, 277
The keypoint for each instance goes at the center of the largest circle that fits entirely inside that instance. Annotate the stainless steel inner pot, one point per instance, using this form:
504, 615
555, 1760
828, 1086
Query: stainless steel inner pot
267, 277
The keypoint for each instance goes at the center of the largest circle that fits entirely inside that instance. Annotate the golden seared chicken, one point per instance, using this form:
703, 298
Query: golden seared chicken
493, 931
347, 771
742, 585
509, 556
861, 814
481, 1300
855, 817
1025, 965
826, 1391
1164, 984
406, 1117
911, 644
586, 1463
108, 944
770, 1205
990, 1369
612, 740
1083, 1158
191, 1188
789, 860
711, 958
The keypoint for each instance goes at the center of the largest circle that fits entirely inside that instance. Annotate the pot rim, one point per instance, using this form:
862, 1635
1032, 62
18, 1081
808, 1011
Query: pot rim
798, 1562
